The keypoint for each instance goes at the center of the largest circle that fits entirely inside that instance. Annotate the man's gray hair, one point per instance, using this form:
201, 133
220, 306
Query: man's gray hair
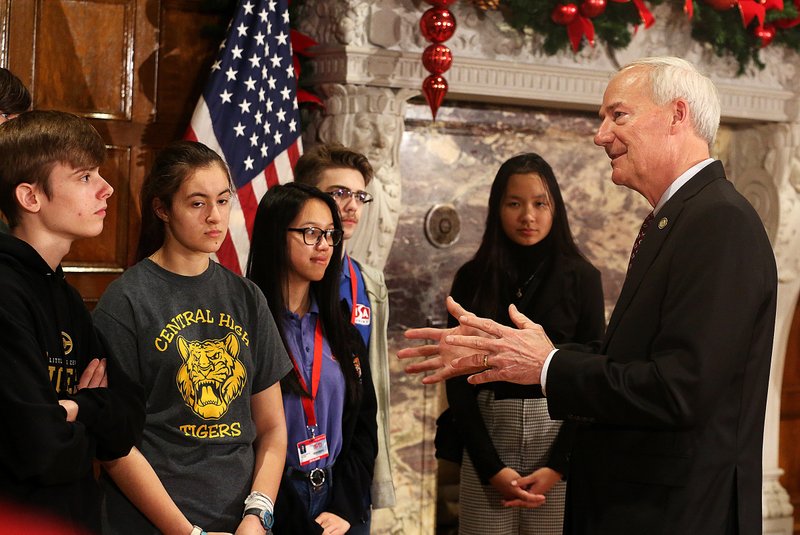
672, 78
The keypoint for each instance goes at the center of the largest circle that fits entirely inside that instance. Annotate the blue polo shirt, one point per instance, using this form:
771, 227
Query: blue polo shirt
363, 315
329, 403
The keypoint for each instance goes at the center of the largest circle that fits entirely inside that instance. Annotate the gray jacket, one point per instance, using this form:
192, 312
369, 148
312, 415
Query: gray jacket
382, 490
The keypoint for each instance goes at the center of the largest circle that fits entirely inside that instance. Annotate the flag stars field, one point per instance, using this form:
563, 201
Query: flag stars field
258, 139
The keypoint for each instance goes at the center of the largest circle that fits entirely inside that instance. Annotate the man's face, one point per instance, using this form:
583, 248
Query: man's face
77, 204
634, 132
349, 207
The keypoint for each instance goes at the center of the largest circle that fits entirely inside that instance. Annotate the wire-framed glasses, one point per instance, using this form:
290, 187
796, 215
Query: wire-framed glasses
314, 235
342, 194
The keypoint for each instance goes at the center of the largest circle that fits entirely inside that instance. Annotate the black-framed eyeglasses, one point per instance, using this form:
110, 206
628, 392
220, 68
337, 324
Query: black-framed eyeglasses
341, 194
314, 235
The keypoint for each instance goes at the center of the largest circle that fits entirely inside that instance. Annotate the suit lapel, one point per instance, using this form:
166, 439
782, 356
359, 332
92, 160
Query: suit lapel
654, 239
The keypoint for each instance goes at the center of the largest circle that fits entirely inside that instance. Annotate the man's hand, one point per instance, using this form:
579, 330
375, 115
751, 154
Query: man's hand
438, 356
94, 375
511, 354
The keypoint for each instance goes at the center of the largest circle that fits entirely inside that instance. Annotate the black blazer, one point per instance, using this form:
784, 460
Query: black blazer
568, 303
673, 410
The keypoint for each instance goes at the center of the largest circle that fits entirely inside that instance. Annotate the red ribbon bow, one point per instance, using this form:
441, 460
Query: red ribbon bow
579, 27
751, 9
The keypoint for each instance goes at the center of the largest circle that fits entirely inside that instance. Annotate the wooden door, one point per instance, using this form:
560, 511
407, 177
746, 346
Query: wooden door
135, 68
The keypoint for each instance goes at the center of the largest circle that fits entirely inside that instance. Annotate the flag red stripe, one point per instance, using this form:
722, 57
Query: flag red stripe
272, 175
247, 198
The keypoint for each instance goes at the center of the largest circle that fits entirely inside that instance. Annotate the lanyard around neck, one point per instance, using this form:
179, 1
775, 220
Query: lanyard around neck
353, 289
316, 372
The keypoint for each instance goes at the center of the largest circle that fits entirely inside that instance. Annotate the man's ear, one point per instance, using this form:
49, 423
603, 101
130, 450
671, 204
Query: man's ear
29, 197
160, 211
680, 113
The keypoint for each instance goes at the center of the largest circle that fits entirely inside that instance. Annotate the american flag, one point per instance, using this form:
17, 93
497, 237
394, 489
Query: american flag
248, 113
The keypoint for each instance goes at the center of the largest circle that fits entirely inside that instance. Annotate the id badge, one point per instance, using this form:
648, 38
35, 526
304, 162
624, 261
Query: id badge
313, 449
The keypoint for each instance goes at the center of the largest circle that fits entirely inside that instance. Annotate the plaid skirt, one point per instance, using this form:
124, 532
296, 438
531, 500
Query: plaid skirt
522, 433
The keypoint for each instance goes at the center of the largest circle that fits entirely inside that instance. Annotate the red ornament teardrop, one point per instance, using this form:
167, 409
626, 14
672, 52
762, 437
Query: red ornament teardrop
434, 87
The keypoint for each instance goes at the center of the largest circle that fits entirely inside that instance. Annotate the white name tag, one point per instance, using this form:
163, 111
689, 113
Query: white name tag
312, 449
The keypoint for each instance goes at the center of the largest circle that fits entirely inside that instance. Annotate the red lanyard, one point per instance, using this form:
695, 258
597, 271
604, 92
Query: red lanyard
353, 289
316, 371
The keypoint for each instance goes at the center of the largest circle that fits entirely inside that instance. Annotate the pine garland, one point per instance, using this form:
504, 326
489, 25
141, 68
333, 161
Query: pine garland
722, 30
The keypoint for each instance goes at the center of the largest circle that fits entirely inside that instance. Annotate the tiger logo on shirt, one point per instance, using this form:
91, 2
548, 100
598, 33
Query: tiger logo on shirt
211, 375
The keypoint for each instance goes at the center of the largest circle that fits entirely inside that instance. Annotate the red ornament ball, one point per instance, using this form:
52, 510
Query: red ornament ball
722, 5
765, 33
434, 87
564, 14
593, 8
437, 58
437, 24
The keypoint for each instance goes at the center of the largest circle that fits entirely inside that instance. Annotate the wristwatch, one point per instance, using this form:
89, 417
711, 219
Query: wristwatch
264, 515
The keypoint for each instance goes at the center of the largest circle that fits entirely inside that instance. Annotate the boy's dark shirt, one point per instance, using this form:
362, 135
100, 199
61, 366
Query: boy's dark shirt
46, 341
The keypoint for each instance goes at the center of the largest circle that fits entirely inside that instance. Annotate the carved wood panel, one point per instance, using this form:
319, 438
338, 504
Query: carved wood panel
135, 69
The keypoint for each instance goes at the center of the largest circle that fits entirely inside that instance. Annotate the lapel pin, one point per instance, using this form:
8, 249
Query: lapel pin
662, 223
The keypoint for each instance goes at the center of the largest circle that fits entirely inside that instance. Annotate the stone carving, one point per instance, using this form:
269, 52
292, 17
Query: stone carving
335, 21
775, 500
370, 121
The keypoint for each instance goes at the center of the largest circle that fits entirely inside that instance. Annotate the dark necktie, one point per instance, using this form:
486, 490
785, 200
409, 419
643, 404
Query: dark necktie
640, 238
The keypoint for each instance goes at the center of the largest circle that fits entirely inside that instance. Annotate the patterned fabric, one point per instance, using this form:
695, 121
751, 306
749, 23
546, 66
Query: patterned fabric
640, 237
506, 420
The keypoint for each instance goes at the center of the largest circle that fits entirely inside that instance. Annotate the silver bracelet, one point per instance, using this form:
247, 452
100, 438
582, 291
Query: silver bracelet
197, 530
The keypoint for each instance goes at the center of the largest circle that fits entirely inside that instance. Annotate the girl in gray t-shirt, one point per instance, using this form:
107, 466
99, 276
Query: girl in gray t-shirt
203, 343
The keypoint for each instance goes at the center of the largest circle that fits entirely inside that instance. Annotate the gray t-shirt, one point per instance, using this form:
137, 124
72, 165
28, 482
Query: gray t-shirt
201, 346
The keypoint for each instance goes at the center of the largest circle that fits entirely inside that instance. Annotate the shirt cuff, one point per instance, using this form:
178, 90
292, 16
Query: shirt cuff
545, 366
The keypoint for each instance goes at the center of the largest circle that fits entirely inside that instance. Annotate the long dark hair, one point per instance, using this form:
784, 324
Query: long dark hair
268, 267
494, 260
172, 166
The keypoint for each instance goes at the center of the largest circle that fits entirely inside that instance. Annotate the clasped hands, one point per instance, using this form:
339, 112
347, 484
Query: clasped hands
480, 347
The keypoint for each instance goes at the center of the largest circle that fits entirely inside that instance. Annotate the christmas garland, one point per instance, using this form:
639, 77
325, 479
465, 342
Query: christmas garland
739, 28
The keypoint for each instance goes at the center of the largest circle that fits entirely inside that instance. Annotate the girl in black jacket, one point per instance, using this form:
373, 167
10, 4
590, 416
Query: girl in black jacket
527, 257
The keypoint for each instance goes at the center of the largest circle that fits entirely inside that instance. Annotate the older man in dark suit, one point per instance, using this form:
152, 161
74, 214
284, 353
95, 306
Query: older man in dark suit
672, 407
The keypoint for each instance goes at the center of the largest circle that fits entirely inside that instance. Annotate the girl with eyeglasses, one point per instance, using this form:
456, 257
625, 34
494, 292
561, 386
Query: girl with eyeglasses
203, 343
329, 399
